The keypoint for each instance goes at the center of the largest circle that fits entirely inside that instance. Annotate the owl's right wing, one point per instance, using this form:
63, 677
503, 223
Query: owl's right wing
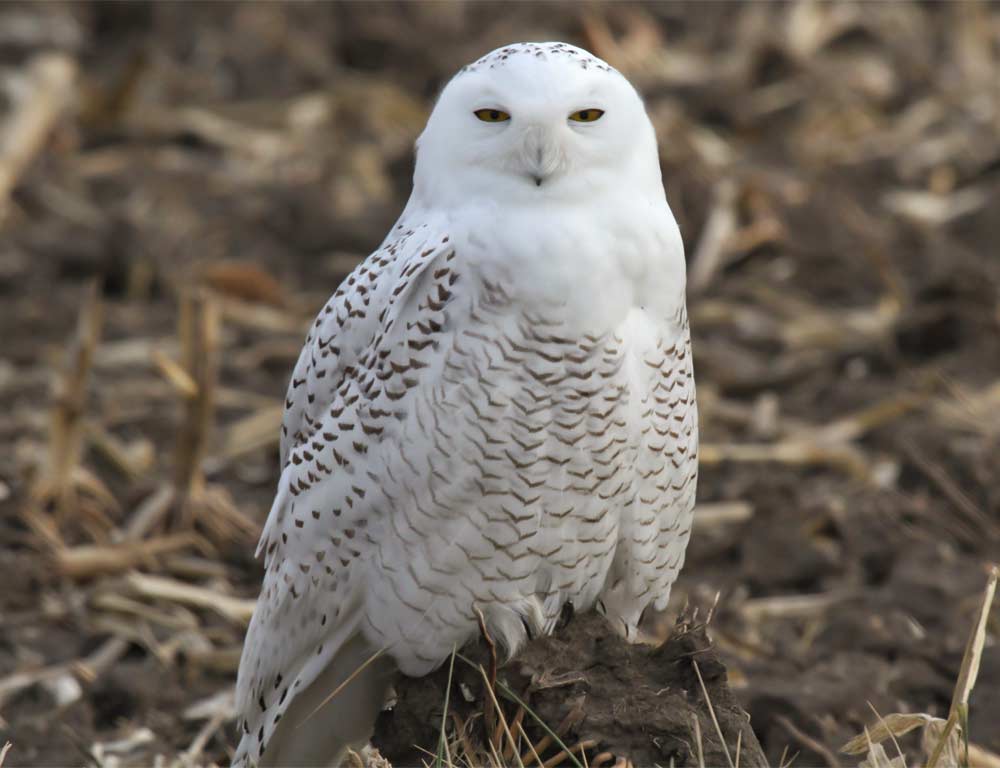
370, 349
357, 317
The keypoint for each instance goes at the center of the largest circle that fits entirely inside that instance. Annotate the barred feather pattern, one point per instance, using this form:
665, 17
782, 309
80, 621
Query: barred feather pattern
447, 449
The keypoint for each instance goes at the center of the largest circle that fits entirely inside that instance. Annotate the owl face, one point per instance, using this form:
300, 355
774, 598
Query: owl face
536, 121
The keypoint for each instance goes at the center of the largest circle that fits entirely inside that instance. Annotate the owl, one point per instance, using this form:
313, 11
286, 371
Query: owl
495, 412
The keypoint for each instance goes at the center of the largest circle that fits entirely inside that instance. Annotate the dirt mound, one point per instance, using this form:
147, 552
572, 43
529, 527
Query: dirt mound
647, 703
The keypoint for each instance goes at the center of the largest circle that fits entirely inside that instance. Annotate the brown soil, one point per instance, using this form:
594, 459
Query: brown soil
846, 326
638, 701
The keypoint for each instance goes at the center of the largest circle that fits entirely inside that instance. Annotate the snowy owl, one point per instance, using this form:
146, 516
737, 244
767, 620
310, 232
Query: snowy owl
494, 412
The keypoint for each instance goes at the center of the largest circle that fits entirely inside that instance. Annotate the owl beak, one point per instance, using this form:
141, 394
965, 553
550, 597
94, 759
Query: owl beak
540, 154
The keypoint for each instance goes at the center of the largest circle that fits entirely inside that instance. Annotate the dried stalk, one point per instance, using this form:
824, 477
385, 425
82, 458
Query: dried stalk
88, 669
234, 609
63, 484
196, 379
89, 561
974, 647
46, 94
70, 395
199, 338
708, 256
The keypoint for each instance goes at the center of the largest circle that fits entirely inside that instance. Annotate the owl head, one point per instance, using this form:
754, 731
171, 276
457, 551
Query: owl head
532, 122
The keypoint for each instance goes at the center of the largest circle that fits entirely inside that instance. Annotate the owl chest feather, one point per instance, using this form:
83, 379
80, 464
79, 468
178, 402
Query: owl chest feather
512, 431
597, 261
548, 446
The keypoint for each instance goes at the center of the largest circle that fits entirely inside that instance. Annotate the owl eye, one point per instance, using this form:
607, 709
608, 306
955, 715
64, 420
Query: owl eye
586, 115
492, 115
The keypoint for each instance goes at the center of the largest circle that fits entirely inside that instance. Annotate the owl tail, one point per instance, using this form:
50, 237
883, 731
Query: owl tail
317, 728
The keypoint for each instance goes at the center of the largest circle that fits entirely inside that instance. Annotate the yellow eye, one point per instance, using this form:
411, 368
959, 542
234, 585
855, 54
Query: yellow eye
492, 115
587, 115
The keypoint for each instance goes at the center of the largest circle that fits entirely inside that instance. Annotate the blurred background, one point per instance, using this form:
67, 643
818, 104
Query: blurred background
183, 185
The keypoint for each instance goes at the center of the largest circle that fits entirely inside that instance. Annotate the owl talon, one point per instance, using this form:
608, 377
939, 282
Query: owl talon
566, 614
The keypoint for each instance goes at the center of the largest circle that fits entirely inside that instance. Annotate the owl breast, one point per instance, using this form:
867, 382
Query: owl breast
561, 472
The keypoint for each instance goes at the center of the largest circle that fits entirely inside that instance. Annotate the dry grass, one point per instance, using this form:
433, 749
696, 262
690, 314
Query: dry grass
832, 166
944, 742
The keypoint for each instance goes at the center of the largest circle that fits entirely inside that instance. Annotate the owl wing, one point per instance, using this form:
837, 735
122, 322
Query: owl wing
656, 528
361, 310
366, 354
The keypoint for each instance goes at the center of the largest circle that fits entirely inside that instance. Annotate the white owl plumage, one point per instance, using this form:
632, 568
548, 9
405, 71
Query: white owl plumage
495, 411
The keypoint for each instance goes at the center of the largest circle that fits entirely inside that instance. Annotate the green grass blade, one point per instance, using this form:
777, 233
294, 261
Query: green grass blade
508, 693
442, 740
